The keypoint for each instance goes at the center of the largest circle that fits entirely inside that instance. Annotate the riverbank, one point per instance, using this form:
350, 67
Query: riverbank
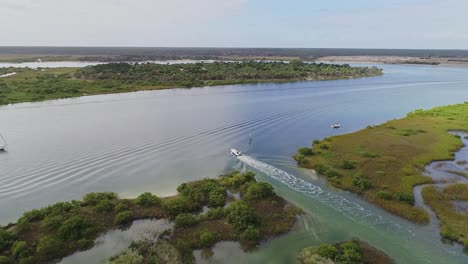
30, 85
383, 163
204, 212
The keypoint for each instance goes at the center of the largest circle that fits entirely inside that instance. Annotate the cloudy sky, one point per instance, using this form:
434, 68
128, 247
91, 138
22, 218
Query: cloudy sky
439, 24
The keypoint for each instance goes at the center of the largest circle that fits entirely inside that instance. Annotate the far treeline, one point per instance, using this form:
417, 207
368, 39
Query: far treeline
43, 84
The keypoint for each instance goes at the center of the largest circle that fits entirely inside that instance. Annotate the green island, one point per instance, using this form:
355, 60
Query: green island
30, 85
384, 163
256, 213
353, 251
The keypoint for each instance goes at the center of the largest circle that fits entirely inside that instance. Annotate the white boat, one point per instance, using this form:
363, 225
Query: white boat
2, 144
235, 152
336, 125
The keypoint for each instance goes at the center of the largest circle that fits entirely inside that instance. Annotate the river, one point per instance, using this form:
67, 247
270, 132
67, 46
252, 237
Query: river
155, 140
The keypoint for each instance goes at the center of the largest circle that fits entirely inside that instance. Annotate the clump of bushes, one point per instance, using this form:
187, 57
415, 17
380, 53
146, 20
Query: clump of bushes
185, 220
123, 217
216, 213
259, 190
305, 151
148, 199
405, 197
104, 206
385, 195
251, 233
95, 198
348, 164
176, 206
241, 215
327, 251
361, 183
207, 239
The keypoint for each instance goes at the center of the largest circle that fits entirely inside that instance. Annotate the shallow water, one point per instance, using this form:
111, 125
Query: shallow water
154, 140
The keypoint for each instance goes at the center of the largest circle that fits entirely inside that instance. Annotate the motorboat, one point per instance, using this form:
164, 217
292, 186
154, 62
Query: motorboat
235, 152
336, 125
2, 144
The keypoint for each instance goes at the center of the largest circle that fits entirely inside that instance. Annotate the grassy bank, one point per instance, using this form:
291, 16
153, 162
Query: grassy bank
454, 224
51, 233
383, 163
36, 85
354, 251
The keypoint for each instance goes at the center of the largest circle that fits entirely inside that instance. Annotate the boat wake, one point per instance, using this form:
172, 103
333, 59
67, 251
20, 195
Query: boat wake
343, 205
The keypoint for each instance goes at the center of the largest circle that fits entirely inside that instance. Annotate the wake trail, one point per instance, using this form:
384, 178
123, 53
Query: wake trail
343, 205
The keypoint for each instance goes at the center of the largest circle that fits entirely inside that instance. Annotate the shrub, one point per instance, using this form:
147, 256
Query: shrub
49, 246
185, 220
147, 199
176, 206
305, 151
121, 207
320, 168
315, 142
405, 197
75, 228
216, 213
217, 197
104, 206
95, 198
324, 146
207, 239
348, 164
331, 173
52, 223
327, 251
259, 190
350, 253
301, 159
251, 233
361, 183
20, 249
241, 216
34, 215
122, 218
5, 239
385, 195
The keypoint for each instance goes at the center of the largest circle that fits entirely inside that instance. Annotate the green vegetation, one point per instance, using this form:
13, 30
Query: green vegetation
354, 251
43, 84
51, 233
454, 225
383, 163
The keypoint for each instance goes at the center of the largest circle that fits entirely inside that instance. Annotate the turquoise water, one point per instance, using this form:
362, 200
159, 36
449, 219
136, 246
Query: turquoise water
155, 140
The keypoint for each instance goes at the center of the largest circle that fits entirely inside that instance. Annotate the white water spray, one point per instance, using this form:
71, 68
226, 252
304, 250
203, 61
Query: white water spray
343, 205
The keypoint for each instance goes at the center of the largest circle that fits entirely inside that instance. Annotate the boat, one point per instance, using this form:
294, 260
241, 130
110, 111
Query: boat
3, 144
336, 125
235, 152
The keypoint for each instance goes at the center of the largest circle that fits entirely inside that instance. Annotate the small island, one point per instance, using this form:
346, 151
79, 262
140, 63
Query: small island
353, 251
233, 207
29, 85
384, 163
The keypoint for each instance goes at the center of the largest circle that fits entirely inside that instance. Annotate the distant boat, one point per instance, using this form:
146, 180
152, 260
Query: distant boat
2, 144
235, 152
336, 125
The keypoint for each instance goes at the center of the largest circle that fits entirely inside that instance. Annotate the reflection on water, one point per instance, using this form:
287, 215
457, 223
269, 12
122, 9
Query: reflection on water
116, 241
155, 140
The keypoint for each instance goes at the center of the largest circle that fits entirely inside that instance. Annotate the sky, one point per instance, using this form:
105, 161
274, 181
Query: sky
412, 24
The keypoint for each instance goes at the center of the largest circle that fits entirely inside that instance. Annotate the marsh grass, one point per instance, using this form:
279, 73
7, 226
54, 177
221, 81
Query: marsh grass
454, 225
392, 156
